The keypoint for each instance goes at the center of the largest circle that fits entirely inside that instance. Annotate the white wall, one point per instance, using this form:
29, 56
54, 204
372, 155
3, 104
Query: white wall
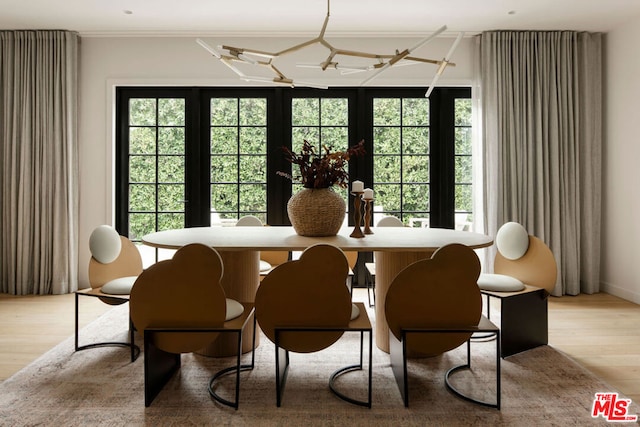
107, 62
621, 175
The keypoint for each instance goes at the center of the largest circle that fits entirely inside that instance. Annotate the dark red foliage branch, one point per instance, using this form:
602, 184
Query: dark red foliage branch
321, 170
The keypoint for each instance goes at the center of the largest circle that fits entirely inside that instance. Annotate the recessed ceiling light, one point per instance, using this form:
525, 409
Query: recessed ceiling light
512, 12
128, 12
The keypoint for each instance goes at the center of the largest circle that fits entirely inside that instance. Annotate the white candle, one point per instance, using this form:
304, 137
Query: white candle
357, 186
368, 194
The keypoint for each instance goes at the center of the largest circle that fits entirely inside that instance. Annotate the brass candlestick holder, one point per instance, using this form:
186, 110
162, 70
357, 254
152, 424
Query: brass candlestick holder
367, 215
357, 214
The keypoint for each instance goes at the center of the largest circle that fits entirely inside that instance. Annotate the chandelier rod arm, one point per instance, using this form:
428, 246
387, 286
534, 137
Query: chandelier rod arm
236, 54
249, 51
319, 39
445, 62
428, 61
326, 21
299, 46
402, 55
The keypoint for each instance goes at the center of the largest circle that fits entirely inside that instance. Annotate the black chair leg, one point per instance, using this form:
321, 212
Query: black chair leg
159, 367
135, 350
282, 369
237, 368
132, 340
397, 353
371, 289
358, 367
76, 324
467, 366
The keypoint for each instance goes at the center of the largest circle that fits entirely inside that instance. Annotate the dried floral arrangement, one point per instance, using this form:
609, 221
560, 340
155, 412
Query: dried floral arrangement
321, 170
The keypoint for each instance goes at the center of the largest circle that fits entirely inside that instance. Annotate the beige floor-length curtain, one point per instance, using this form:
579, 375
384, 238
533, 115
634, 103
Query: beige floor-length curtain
38, 162
541, 108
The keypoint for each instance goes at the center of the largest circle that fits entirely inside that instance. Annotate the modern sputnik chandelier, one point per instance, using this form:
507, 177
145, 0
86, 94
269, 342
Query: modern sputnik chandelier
380, 62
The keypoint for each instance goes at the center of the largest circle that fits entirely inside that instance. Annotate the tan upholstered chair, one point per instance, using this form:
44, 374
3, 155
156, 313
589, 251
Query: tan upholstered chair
524, 275
370, 267
304, 306
180, 306
114, 266
433, 306
521, 260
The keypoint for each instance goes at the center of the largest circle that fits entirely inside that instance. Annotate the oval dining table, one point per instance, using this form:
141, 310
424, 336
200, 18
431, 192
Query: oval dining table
239, 247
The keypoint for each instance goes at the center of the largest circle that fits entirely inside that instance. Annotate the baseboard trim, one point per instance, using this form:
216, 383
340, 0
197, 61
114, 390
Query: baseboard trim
620, 292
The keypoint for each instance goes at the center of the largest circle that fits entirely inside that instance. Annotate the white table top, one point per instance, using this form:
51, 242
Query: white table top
285, 238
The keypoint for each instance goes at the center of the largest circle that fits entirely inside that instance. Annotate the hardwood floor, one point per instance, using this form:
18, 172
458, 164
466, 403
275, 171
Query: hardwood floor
599, 331
31, 325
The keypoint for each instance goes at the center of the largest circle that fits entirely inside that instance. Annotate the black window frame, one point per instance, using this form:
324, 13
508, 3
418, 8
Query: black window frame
197, 151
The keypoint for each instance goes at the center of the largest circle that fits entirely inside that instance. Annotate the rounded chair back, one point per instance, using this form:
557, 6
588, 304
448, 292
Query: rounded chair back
537, 267
249, 221
112, 257
105, 244
390, 221
440, 292
306, 293
512, 240
183, 291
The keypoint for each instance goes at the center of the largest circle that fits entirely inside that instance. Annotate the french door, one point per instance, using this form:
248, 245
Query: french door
207, 156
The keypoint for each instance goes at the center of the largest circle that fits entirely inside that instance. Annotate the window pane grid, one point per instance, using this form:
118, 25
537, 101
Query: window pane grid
463, 169
238, 141
156, 165
323, 122
401, 159
153, 128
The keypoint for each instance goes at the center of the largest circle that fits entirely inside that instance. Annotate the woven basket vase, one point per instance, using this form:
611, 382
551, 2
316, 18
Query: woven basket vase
316, 212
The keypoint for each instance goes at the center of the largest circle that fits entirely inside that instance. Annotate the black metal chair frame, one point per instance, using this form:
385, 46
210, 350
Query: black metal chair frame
398, 353
119, 299
523, 319
282, 361
482, 337
370, 283
160, 365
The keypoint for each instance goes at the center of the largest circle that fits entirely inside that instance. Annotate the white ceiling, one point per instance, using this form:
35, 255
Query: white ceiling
303, 17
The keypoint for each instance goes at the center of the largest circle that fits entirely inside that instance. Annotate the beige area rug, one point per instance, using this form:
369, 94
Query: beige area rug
541, 387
